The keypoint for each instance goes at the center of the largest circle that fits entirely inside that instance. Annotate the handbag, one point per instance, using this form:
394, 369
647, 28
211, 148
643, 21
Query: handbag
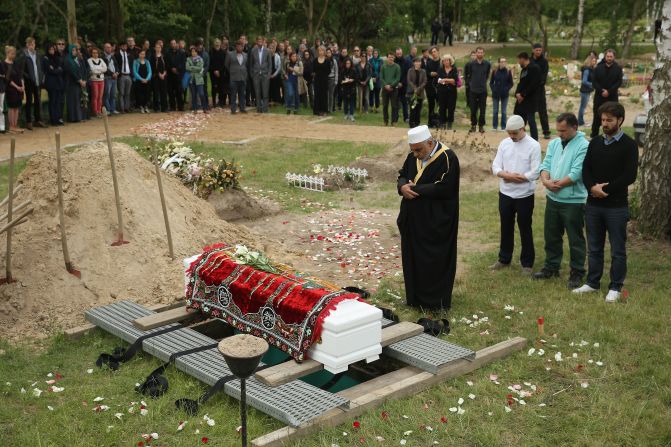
185, 80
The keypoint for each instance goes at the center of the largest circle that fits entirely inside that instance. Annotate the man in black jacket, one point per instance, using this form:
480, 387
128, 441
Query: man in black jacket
606, 80
479, 70
539, 59
526, 93
467, 80
176, 60
435, 29
610, 166
402, 87
447, 31
30, 62
217, 62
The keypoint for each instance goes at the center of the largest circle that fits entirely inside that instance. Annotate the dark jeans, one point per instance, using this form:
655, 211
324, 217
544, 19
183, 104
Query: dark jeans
349, 102
530, 119
374, 97
32, 102
198, 96
543, 111
447, 36
584, 100
559, 217
415, 114
393, 96
434, 37
403, 100
431, 96
598, 221
160, 96
218, 90
478, 102
175, 92
503, 101
523, 209
238, 90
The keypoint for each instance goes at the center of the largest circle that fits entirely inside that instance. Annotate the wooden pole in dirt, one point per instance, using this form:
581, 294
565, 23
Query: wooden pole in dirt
165, 209
61, 214
120, 240
10, 206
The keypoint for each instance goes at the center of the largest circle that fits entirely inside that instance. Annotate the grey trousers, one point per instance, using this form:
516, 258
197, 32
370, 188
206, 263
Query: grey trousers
332, 87
261, 89
124, 84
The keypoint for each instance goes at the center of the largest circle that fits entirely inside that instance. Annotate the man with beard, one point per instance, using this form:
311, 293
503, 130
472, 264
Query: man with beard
539, 59
606, 80
526, 93
610, 166
428, 220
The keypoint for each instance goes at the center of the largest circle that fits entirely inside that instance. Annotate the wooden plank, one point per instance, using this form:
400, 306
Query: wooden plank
363, 398
79, 331
163, 318
288, 371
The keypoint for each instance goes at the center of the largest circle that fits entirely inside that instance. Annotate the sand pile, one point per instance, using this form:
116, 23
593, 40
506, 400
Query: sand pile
45, 297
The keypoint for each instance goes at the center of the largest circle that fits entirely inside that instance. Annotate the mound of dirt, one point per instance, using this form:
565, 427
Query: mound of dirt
45, 297
475, 161
235, 204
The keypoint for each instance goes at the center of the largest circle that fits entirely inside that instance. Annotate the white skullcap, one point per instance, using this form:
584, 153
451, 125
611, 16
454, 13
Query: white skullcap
418, 134
515, 122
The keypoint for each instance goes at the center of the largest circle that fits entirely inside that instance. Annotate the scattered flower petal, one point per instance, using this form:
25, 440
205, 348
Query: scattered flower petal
558, 357
453, 409
508, 409
50, 408
181, 425
471, 396
531, 351
89, 371
37, 392
98, 399
469, 383
460, 401
599, 363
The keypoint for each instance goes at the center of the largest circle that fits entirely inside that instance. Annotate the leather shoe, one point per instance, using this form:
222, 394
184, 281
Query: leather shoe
546, 274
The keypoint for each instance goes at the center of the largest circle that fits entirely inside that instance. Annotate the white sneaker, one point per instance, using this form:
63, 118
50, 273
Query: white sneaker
613, 296
585, 289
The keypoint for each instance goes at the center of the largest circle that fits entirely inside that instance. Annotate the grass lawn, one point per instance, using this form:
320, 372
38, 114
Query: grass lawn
611, 387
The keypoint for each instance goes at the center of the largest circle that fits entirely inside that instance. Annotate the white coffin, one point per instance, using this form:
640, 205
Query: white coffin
352, 332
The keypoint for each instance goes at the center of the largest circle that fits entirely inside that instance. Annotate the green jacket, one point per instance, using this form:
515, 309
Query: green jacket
561, 162
195, 68
390, 74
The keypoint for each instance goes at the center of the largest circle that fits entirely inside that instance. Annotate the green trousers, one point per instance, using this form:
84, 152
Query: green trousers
559, 217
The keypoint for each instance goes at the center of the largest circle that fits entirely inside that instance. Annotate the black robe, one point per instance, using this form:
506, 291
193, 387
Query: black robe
428, 225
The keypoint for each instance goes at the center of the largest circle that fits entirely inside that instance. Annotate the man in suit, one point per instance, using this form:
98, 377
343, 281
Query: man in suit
606, 81
236, 65
31, 65
259, 68
176, 61
124, 60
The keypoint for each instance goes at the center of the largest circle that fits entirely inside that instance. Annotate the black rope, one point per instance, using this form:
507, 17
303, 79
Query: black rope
122, 355
155, 384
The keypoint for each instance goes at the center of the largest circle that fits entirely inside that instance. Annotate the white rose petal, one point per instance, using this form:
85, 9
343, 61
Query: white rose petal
98, 399
590, 361
56, 389
522, 402
50, 375
461, 411
584, 384
154, 435
144, 411
508, 317
558, 357
181, 425
379, 439
50, 382
23, 391
453, 409
89, 371
541, 404
599, 363
531, 351
460, 401
575, 355
403, 442
37, 392
471, 396
210, 422
50, 408
428, 428
407, 433
596, 345
469, 383
118, 415
508, 409
404, 416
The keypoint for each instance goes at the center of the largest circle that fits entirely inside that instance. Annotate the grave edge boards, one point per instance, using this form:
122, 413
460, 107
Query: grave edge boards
394, 385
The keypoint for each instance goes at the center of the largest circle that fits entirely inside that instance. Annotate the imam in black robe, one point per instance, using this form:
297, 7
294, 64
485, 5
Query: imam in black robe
428, 225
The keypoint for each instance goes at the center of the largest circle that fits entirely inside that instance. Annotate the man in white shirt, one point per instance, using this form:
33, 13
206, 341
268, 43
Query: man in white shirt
517, 164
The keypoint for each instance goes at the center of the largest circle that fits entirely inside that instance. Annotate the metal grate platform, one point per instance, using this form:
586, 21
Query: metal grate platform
427, 352
293, 403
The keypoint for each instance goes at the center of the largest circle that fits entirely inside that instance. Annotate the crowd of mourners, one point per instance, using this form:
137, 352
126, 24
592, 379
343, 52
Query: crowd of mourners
84, 80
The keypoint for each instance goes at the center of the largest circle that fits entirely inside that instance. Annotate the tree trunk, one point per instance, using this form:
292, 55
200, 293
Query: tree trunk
309, 8
209, 24
72, 21
655, 187
440, 10
577, 34
227, 23
635, 13
269, 6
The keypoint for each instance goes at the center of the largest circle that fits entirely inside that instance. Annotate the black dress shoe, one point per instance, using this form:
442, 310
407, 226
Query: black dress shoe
575, 279
546, 274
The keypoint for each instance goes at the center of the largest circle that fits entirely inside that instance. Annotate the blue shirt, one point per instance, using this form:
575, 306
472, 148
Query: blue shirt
610, 140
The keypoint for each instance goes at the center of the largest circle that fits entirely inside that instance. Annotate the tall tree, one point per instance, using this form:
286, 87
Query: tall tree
269, 7
577, 34
655, 189
309, 8
636, 12
208, 28
72, 21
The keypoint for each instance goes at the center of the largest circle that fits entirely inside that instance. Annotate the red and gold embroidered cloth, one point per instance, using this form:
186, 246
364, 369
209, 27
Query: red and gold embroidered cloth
286, 309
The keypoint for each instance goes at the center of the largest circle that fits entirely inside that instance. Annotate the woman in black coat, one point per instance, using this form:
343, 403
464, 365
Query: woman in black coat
75, 85
52, 67
307, 75
322, 69
348, 85
447, 80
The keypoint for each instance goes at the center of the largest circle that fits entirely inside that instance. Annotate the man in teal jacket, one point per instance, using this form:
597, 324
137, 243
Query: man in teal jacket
561, 174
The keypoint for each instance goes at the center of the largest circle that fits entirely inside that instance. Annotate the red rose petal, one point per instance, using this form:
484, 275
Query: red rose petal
541, 320
356, 424
140, 444
384, 415
443, 419
204, 440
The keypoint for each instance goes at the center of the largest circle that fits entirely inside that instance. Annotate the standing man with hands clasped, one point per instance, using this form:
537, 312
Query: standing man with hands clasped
609, 168
561, 174
517, 161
